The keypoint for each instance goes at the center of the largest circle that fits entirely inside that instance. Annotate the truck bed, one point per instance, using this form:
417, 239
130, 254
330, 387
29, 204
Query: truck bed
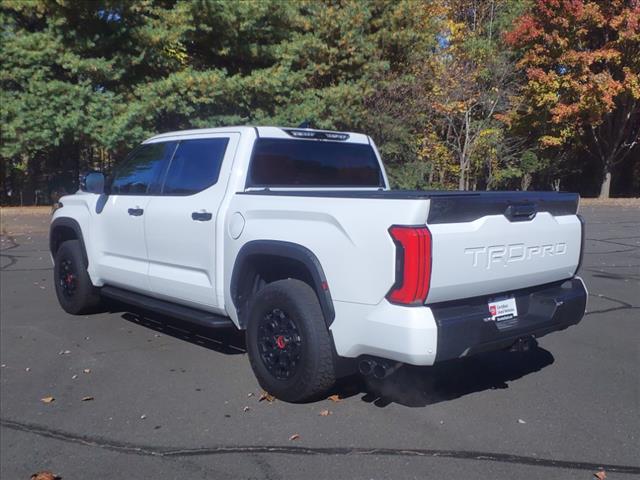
483, 243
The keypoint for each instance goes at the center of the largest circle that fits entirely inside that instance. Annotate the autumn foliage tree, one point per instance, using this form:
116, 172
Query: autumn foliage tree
473, 94
474, 78
581, 59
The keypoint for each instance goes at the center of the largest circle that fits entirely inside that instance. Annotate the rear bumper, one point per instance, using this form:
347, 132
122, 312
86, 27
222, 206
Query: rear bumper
426, 335
465, 327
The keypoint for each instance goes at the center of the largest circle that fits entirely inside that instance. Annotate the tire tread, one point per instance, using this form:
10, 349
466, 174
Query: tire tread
322, 378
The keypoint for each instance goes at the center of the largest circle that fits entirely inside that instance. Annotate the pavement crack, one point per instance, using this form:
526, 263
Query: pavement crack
611, 241
622, 305
145, 450
13, 259
612, 251
612, 309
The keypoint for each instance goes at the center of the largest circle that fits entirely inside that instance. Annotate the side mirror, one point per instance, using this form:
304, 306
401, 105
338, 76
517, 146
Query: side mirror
93, 182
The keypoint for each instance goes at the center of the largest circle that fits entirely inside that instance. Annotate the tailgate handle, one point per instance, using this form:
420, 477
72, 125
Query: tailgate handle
520, 213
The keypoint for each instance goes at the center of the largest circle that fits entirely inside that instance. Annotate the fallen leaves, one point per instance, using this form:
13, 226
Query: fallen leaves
335, 398
325, 413
521, 421
86, 370
246, 408
45, 476
47, 399
601, 475
88, 398
64, 352
294, 437
266, 396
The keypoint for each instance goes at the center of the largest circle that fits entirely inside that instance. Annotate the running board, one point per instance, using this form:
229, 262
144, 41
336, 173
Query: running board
188, 314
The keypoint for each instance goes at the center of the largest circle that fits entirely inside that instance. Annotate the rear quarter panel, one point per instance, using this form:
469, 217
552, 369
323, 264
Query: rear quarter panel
348, 236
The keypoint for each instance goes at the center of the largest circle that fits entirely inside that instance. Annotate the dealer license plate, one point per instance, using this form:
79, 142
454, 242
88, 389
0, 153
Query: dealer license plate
503, 309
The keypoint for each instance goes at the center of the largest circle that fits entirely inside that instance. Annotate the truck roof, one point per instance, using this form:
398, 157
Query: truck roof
269, 132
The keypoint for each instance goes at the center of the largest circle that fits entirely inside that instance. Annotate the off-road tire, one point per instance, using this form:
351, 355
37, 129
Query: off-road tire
70, 268
314, 374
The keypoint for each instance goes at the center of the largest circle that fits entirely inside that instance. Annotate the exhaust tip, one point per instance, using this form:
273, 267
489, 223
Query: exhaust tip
378, 368
524, 344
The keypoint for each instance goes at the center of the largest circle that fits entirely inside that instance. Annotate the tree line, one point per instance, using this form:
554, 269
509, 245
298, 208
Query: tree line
457, 94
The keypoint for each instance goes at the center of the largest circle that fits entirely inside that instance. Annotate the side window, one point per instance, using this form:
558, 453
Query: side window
195, 166
140, 173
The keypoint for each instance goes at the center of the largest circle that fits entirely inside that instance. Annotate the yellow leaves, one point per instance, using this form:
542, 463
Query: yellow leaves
457, 29
434, 149
489, 132
178, 52
486, 148
550, 141
632, 82
266, 396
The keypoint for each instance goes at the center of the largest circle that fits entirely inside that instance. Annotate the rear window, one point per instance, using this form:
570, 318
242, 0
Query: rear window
195, 166
312, 163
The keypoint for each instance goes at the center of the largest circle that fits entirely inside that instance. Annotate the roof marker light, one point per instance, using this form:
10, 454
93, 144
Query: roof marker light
317, 135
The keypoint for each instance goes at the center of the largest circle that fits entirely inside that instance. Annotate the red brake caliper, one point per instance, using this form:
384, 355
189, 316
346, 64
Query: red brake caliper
280, 341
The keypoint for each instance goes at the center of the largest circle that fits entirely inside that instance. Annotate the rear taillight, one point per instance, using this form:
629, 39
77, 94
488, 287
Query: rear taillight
413, 265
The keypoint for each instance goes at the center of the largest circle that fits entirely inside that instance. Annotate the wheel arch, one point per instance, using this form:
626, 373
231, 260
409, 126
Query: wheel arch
63, 229
254, 267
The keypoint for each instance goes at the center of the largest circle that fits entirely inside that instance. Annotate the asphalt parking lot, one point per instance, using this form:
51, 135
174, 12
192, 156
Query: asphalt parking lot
149, 397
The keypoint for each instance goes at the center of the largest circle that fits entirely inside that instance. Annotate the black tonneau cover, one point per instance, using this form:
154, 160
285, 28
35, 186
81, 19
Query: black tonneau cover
457, 206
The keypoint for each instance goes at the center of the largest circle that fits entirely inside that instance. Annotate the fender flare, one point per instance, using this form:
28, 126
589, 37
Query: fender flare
291, 251
73, 224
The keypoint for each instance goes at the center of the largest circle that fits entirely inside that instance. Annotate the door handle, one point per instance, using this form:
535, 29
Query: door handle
201, 216
135, 212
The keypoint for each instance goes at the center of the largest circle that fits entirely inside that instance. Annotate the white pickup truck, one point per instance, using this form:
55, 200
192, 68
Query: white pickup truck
293, 235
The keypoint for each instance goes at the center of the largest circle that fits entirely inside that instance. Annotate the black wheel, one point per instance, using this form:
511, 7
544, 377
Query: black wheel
288, 342
76, 294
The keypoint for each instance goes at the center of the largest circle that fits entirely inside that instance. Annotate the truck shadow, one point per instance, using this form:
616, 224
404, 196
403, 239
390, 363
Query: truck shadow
410, 386
421, 386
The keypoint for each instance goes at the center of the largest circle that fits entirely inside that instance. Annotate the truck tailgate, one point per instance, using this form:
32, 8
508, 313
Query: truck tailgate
501, 243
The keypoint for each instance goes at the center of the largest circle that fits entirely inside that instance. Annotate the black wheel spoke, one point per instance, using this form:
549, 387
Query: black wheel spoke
279, 343
67, 278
